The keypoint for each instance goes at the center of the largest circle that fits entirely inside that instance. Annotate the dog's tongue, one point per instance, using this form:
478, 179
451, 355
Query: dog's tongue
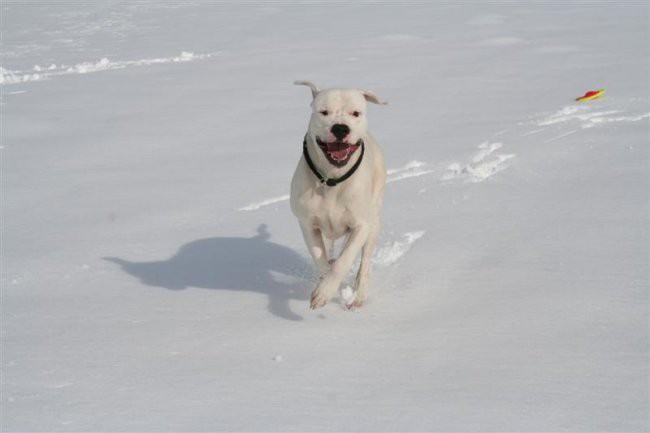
336, 146
340, 155
340, 151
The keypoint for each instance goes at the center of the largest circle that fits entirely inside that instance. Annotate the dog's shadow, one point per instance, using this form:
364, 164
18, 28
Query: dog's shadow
232, 263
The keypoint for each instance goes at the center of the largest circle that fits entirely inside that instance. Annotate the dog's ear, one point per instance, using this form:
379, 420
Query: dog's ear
312, 86
371, 97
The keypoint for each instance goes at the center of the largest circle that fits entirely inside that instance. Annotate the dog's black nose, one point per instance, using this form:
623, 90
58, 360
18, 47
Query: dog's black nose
340, 130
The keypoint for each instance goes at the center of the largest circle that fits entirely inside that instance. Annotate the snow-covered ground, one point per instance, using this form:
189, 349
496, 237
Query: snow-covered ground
154, 278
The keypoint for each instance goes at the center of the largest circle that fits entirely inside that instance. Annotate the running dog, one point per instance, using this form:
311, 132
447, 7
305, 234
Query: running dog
337, 189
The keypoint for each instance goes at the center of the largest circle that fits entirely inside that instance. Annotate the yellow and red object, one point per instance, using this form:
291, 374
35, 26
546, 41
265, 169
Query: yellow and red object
591, 95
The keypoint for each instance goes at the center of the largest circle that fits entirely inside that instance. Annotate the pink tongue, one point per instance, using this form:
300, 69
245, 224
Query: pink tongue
340, 154
340, 151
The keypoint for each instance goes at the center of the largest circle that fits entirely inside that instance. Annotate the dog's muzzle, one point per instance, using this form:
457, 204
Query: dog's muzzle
338, 153
331, 181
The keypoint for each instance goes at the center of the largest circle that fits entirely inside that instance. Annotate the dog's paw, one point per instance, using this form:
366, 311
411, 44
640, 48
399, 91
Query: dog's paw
352, 300
318, 300
355, 304
324, 291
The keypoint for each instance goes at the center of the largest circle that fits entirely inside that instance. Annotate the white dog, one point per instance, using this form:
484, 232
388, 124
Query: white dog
337, 189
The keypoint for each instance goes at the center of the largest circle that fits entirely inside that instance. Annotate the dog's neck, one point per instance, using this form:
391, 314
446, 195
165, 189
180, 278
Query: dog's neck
321, 163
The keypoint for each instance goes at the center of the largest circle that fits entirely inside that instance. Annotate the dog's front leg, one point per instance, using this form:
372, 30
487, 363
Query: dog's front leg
330, 282
316, 245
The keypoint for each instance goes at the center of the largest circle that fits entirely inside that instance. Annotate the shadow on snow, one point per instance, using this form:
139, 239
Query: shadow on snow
233, 263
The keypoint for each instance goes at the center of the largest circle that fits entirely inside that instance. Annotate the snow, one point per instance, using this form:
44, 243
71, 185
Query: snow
479, 169
410, 169
154, 278
589, 119
268, 201
391, 253
14, 77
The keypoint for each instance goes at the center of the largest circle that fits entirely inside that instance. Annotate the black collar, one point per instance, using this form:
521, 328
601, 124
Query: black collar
323, 179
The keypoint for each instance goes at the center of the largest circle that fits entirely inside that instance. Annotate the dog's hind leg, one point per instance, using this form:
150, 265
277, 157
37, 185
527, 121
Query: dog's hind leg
315, 244
329, 283
330, 248
361, 282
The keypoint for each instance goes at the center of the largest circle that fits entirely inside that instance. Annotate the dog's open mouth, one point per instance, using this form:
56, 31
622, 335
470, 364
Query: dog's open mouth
338, 153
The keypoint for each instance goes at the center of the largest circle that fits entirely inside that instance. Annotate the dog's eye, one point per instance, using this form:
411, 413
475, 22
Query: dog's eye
356, 113
324, 112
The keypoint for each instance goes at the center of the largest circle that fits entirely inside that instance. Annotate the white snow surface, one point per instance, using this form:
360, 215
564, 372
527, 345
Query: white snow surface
155, 280
41, 72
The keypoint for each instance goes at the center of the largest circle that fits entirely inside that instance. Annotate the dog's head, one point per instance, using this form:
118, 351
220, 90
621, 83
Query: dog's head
338, 121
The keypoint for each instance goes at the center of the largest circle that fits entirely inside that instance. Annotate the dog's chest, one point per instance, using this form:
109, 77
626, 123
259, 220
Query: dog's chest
329, 211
